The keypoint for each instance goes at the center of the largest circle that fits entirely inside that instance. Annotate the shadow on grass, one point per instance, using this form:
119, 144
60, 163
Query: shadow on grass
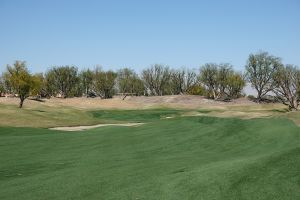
280, 110
204, 111
37, 99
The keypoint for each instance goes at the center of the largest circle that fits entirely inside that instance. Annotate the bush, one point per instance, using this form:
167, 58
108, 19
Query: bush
251, 97
197, 90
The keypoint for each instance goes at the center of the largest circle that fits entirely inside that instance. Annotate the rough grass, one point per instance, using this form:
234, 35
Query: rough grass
178, 158
44, 116
77, 111
294, 116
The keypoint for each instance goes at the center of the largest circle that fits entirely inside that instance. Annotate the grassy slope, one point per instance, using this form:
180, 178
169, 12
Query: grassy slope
45, 116
180, 158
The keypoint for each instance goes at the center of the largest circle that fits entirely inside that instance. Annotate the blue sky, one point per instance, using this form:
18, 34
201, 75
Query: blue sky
136, 34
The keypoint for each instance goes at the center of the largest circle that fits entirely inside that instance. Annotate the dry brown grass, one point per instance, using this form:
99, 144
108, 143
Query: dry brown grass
174, 101
72, 111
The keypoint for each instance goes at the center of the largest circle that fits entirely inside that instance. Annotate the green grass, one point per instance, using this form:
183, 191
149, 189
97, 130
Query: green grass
136, 115
180, 158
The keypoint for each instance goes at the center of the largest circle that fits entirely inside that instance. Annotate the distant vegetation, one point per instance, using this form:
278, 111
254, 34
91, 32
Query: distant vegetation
221, 81
265, 72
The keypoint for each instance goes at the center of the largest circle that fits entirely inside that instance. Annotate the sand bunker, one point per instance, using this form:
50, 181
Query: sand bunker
82, 128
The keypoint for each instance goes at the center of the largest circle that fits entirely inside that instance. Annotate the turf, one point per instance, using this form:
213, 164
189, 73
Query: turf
178, 158
136, 115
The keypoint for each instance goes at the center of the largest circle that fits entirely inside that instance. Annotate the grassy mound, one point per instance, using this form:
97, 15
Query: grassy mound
178, 158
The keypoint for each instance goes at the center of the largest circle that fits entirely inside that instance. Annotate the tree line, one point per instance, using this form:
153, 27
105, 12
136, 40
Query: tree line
266, 73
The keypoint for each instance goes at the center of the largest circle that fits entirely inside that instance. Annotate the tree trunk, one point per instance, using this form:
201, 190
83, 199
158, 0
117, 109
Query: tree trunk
292, 108
21, 102
125, 96
293, 105
86, 95
214, 94
258, 99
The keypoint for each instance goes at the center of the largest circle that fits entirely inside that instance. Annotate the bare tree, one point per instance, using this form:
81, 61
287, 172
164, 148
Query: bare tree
221, 81
177, 81
209, 77
260, 68
156, 79
225, 71
287, 85
190, 79
181, 80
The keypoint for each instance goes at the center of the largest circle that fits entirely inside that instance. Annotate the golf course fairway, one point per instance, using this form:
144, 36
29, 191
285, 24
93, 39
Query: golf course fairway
178, 158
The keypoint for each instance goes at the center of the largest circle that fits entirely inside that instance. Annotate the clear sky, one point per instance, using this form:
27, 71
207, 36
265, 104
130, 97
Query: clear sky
139, 33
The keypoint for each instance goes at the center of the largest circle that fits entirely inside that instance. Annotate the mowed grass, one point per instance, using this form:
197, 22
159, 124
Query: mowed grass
178, 158
147, 115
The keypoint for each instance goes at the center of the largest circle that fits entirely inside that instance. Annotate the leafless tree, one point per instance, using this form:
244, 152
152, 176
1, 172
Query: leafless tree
287, 85
260, 68
156, 79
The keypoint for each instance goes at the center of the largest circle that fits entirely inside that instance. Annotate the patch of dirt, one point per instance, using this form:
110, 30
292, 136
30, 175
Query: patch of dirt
82, 128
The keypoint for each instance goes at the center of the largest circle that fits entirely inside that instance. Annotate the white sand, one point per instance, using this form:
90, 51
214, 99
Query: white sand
81, 128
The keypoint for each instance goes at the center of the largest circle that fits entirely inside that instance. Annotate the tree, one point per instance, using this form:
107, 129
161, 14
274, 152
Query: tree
62, 80
196, 89
86, 81
50, 86
191, 80
2, 86
260, 68
104, 83
177, 81
209, 77
22, 82
6, 83
138, 86
286, 82
225, 71
38, 85
235, 85
129, 82
221, 81
156, 79
181, 80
